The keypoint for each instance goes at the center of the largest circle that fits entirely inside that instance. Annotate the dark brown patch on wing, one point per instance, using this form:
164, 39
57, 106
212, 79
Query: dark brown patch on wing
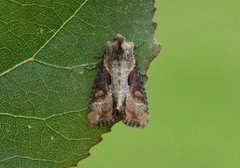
101, 105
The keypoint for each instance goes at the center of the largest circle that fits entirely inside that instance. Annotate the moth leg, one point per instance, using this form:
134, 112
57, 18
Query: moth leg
139, 45
97, 56
136, 106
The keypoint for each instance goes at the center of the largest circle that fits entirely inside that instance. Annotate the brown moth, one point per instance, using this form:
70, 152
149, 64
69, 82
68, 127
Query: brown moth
118, 89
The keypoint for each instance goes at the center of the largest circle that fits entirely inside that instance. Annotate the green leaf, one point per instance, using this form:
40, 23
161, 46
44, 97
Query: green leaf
49, 51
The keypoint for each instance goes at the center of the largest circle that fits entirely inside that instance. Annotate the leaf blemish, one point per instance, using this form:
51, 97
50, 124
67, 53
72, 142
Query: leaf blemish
41, 30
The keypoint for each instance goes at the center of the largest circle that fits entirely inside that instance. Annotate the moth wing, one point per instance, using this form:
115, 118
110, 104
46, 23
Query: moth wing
136, 106
101, 105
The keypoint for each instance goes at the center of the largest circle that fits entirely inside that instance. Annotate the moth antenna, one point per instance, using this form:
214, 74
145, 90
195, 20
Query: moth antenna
139, 45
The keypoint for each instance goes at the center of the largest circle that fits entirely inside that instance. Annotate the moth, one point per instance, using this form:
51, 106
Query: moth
118, 90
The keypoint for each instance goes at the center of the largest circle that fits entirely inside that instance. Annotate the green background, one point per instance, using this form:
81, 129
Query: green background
193, 92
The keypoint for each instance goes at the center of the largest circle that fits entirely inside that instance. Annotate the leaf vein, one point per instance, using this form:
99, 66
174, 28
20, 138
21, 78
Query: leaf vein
42, 118
34, 55
63, 136
67, 68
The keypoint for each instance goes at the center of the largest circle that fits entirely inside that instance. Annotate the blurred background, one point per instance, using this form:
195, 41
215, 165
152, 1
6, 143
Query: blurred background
193, 93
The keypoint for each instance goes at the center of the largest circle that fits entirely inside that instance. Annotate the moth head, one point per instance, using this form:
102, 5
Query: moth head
124, 48
119, 39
